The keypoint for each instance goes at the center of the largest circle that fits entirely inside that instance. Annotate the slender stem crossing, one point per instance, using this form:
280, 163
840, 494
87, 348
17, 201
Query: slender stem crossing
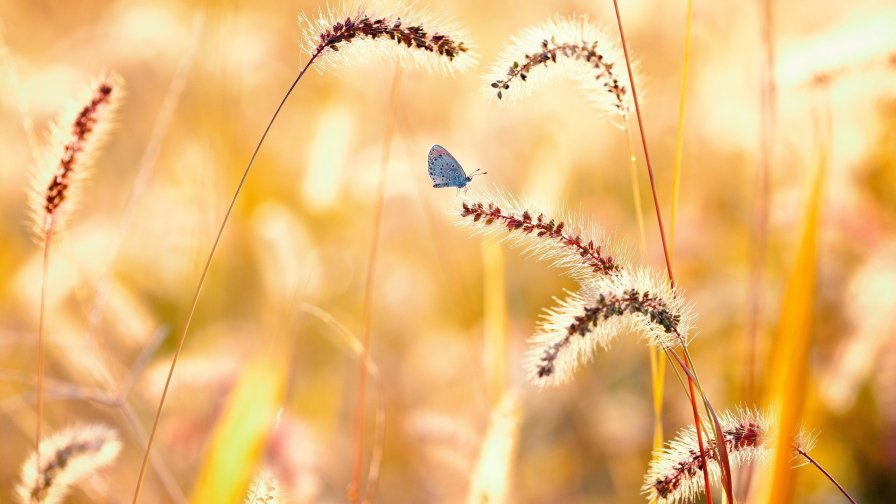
827, 474
686, 364
38, 427
208, 262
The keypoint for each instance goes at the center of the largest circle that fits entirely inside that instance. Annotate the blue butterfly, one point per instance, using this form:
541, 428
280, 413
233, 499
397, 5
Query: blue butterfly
445, 171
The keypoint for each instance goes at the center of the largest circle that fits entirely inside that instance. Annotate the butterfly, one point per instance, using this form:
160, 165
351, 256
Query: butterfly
445, 171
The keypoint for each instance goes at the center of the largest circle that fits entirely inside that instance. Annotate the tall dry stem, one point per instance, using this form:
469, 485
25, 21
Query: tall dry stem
332, 36
75, 139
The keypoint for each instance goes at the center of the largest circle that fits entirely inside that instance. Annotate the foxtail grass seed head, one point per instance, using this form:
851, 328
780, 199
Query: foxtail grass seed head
626, 302
562, 240
345, 34
66, 458
573, 48
676, 471
75, 138
264, 489
613, 300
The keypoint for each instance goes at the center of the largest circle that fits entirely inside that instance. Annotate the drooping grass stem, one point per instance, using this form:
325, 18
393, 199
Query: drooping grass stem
726, 470
812, 461
195, 300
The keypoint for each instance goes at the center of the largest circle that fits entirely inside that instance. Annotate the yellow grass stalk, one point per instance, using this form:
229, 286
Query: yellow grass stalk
789, 365
686, 364
657, 378
491, 477
494, 318
679, 135
657, 364
636, 191
241, 433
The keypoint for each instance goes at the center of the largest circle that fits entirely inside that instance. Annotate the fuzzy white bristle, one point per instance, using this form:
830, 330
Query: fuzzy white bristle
66, 458
361, 48
557, 32
675, 476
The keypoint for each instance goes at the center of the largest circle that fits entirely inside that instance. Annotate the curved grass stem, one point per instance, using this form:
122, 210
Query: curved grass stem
205, 269
686, 365
827, 474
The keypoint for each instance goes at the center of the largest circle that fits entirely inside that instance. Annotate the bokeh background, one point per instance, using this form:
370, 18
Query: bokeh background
202, 80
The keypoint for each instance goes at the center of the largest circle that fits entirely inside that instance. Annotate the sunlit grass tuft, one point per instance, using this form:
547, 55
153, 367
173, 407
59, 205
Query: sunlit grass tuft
66, 458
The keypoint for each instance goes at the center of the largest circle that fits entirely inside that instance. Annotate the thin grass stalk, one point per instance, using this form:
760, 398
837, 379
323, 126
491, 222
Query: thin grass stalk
354, 344
96, 310
40, 344
673, 476
767, 133
205, 268
657, 378
676, 185
657, 365
659, 216
68, 154
169, 482
826, 474
494, 319
721, 449
790, 370
334, 31
145, 167
726, 470
679, 130
636, 191
357, 454
63, 391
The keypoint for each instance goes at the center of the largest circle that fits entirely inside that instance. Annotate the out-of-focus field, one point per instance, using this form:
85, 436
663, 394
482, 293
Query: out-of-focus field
301, 232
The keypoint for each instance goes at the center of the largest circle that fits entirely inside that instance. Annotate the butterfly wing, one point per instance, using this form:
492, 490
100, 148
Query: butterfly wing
444, 170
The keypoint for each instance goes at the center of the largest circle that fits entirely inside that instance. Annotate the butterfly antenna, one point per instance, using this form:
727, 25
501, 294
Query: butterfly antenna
477, 173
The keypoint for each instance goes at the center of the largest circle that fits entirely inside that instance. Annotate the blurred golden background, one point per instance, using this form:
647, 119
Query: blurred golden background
203, 78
